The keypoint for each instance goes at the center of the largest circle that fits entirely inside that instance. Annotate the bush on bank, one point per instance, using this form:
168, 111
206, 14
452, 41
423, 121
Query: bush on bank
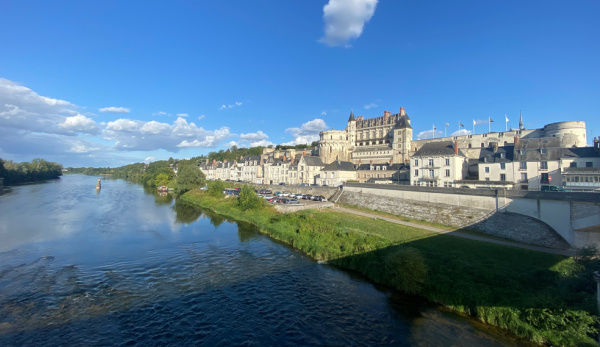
538, 296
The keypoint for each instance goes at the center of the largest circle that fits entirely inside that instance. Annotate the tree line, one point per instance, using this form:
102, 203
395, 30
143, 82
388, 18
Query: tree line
36, 170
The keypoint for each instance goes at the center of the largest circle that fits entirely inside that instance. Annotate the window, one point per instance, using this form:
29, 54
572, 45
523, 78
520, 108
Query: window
364, 175
431, 173
482, 145
487, 178
487, 169
502, 177
502, 155
447, 162
523, 177
544, 165
522, 152
502, 166
573, 164
589, 164
416, 162
523, 165
447, 173
431, 162
543, 151
416, 173
544, 178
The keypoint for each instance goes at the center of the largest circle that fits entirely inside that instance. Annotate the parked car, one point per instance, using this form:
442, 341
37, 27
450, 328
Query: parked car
292, 201
303, 184
307, 197
285, 193
268, 197
298, 196
549, 188
282, 184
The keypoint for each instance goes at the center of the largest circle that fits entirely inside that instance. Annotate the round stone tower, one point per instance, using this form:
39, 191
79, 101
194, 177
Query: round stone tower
571, 133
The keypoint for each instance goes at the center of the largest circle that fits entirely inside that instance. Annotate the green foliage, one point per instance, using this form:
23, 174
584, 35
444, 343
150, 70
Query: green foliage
542, 297
189, 177
36, 170
216, 188
249, 200
406, 269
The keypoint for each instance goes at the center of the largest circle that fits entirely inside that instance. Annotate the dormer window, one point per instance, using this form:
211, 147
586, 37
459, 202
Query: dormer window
522, 152
502, 155
542, 150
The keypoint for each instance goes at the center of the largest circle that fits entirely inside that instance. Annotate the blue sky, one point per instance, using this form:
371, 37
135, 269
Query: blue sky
108, 83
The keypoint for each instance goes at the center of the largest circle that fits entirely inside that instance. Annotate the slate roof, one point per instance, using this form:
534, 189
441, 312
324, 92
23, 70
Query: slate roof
502, 155
403, 123
313, 161
441, 148
339, 166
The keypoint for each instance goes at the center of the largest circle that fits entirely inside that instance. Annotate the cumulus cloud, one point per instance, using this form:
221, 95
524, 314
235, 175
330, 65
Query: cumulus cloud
429, 134
80, 124
136, 135
307, 132
257, 136
113, 109
461, 132
23, 109
345, 20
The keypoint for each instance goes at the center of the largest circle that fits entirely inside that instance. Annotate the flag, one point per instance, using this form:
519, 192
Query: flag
506, 117
434, 127
447, 124
474, 122
491, 121
461, 124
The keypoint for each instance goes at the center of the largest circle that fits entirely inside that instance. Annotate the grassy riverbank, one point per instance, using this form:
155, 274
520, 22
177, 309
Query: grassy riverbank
542, 297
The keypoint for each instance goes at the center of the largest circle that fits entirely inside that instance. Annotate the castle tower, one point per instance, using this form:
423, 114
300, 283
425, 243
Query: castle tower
351, 131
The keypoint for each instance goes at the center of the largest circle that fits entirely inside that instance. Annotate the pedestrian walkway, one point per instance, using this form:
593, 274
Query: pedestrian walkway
454, 232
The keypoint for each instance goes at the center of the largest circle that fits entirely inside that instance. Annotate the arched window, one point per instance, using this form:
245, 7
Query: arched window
482, 145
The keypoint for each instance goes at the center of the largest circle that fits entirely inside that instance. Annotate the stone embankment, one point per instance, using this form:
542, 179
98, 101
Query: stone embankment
504, 225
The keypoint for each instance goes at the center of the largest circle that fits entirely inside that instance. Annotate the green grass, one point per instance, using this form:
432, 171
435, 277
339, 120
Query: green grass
542, 297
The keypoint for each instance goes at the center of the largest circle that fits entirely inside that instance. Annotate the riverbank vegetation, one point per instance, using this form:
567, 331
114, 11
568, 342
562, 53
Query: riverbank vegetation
34, 171
542, 297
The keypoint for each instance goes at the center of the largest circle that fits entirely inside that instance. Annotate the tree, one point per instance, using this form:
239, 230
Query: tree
248, 199
189, 177
216, 189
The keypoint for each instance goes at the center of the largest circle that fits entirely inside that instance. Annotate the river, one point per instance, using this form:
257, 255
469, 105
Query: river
126, 266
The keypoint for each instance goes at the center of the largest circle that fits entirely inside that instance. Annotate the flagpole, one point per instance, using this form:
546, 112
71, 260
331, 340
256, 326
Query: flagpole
489, 125
505, 122
473, 126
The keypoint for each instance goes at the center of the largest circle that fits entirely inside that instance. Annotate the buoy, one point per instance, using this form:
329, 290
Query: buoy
98, 185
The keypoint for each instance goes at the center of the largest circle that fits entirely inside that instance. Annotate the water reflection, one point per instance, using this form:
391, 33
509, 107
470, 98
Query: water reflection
120, 275
186, 213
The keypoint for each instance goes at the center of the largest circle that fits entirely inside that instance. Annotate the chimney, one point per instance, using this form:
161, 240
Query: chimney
303, 153
495, 146
402, 112
284, 157
516, 141
386, 114
456, 147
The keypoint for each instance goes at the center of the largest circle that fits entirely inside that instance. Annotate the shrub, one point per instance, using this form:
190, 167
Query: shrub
248, 199
406, 269
216, 189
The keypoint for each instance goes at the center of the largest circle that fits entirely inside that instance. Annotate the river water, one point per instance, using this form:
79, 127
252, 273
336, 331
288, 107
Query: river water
125, 266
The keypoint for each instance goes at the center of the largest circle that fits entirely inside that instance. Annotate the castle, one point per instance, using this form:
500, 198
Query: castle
388, 139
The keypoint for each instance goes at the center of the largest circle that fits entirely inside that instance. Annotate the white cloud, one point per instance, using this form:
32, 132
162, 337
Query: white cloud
257, 136
324, 113
429, 134
371, 105
345, 20
261, 143
201, 117
123, 125
461, 132
307, 133
80, 124
149, 159
113, 109
160, 113
183, 115
230, 106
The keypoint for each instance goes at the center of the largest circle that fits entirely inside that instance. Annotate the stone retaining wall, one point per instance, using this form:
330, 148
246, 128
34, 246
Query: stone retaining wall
505, 225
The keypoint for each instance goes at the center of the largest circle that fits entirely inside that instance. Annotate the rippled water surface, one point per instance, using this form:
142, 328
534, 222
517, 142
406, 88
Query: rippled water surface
124, 266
